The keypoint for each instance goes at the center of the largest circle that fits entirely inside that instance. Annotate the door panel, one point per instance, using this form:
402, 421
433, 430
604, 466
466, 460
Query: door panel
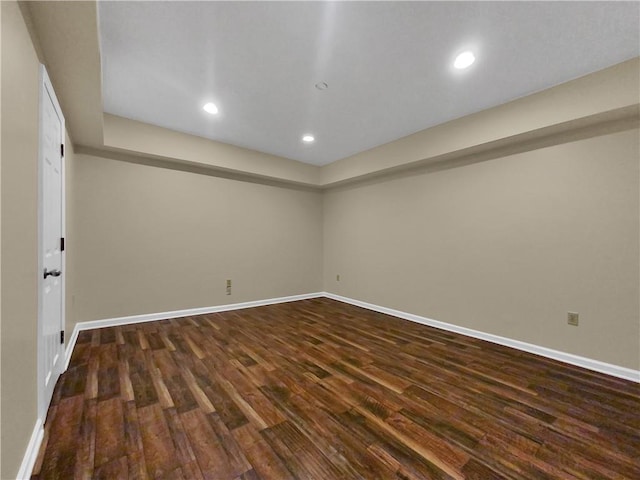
51, 228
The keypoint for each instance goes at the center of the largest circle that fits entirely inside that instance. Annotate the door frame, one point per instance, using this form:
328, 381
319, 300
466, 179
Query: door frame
45, 88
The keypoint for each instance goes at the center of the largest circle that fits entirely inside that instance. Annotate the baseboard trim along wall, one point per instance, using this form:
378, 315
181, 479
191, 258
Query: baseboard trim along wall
595, 365
33, 447
31, 454
590, 364
151, 317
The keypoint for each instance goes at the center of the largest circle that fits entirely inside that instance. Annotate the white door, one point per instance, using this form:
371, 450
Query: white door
51, 213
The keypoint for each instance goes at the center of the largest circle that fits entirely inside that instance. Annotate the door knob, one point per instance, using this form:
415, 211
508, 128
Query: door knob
53, 273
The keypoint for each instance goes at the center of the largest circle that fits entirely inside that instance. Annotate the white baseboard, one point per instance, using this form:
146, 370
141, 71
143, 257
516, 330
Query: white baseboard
151, 317
31, 454
588, 363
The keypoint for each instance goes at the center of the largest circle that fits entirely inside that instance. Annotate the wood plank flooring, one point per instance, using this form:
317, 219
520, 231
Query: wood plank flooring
318, 389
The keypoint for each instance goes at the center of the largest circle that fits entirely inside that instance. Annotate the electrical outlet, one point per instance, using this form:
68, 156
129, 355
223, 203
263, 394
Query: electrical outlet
337, 278
572, 318
228, 287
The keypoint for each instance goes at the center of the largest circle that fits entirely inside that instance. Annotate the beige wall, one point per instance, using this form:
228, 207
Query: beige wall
19, 237
145, 239
505, 246
66, 37
130, 136
613, 92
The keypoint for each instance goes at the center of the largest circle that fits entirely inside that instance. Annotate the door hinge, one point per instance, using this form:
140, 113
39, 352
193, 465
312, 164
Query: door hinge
62, 149
61, 336
62, 244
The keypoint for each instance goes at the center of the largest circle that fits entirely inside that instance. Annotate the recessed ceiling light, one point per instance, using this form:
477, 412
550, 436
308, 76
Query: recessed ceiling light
210, 108
464, 60
322, 85
308, 138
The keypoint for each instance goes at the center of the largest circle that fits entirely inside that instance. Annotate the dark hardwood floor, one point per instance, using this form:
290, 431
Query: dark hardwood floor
318, 389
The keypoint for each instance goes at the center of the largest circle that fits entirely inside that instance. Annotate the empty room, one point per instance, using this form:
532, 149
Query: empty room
320, 240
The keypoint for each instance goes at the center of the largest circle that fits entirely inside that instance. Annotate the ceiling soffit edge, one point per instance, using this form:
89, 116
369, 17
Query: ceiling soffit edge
76, 73
604, 123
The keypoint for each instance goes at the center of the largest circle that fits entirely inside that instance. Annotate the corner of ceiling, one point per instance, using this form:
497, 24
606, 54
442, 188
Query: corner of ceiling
66, 38
74, 65
596, 104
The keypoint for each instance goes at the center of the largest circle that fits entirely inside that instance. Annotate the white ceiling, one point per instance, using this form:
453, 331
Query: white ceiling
388, 65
